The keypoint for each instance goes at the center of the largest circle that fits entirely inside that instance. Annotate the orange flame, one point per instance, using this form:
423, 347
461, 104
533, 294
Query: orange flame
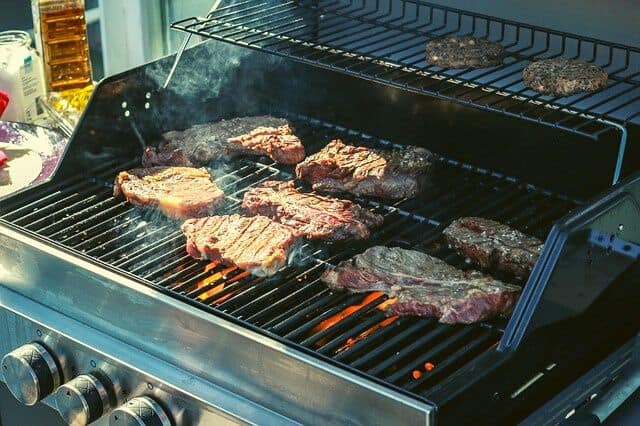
216, 277
416, 374
429, 366
334, 319
353, 340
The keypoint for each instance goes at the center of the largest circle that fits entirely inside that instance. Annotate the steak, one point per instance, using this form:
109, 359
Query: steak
179, 192
393, 174
310, 215
203, 143
256, 244
423, 285
491, 244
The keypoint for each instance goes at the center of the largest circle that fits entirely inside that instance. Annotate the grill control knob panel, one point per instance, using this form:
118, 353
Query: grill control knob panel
31, 373
140, 411
82, 400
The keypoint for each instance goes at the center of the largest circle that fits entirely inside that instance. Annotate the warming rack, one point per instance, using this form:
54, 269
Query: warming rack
384, 41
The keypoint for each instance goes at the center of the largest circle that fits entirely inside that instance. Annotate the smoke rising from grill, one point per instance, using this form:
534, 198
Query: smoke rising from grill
199, 91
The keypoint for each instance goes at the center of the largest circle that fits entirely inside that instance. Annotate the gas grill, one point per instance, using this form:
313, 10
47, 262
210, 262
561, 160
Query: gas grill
106, 301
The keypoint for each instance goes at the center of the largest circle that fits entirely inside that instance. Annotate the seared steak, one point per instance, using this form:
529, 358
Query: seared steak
394, 174
424, 285
179, 192
310, 215
491, 244
203, 143
256, 244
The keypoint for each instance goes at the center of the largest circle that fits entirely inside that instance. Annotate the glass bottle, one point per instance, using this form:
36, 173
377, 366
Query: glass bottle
61, 37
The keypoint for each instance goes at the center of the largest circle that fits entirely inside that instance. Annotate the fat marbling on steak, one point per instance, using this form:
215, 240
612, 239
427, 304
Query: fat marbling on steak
394, 174
491, 244
310, 215
203, 143
424, 285
464, 52
560, 76
179, 192
256, 244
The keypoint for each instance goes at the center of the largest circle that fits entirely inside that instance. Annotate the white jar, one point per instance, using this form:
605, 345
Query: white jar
21, 77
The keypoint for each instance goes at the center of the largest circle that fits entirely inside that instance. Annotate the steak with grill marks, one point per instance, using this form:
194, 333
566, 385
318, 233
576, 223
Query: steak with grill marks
491, 244
310, 215
179, 192
256, 244
423, 285
203, 143
394, 174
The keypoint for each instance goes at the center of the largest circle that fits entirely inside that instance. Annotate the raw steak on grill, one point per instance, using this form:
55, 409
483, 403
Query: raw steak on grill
424, 285
394, 174
491, 244
203, 143
310, 215
179, 192
256, 244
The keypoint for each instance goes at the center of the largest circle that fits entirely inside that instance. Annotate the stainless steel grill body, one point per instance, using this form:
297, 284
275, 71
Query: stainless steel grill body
248, 349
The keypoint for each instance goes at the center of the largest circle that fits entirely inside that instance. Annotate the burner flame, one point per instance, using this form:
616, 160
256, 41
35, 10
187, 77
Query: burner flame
334, 319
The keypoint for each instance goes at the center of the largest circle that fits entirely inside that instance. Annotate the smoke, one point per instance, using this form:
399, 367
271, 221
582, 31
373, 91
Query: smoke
213, 80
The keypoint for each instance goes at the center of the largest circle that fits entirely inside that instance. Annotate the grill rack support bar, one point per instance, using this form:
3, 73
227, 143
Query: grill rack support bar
184, 45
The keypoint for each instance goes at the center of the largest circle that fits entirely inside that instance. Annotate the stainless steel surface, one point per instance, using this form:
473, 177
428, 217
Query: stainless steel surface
222, 366
30, 373
142, 411
82, 400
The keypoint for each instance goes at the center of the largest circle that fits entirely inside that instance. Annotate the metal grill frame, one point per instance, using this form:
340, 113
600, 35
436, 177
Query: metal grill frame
294, 30
90, 222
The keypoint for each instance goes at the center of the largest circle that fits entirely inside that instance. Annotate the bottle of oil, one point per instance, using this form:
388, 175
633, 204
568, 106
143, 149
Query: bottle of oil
61, 37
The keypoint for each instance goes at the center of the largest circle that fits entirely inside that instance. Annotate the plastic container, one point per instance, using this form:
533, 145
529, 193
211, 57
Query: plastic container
61, 38
21, 77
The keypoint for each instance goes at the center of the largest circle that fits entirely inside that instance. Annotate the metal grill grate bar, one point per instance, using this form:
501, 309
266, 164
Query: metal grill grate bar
296, 305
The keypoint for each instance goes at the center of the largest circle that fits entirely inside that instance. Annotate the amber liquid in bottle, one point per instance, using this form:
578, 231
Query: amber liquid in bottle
64, 44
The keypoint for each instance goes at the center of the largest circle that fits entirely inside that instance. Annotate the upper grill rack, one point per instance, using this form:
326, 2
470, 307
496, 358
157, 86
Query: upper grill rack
415, 355
384, 40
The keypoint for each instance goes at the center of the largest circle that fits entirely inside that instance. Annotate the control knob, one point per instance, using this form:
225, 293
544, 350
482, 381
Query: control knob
31, 373
82, 400
140, 411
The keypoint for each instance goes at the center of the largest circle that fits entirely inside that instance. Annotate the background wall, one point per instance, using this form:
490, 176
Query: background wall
612, 20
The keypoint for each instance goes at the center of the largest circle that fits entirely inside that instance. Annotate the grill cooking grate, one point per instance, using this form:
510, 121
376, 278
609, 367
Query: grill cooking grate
384, 41
411, 353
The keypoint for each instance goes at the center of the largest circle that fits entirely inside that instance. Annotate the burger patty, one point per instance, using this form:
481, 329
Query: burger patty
464, 52
560, 76
179, 192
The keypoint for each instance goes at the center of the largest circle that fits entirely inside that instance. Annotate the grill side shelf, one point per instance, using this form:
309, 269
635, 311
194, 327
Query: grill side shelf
582, 274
